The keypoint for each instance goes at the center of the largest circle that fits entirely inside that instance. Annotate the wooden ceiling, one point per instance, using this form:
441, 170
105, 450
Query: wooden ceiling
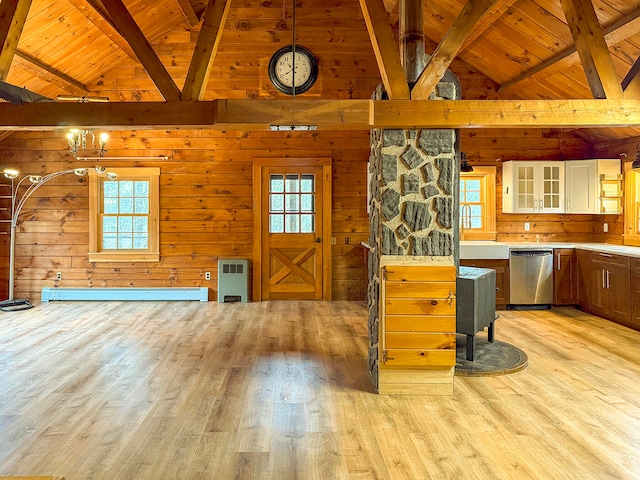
141, 51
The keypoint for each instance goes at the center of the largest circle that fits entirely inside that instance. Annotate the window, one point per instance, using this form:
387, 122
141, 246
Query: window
292, 203
632, 206
478, 204
124, 216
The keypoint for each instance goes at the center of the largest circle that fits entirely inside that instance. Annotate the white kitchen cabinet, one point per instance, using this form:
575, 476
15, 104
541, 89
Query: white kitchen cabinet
533, 187
593, 186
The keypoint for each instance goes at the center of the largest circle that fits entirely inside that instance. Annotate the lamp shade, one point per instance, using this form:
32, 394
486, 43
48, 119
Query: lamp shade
464, 165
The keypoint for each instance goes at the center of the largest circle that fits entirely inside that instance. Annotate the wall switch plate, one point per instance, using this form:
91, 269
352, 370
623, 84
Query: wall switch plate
346, 240
333, 240
527, 227
605, 227
59, 276
207, 275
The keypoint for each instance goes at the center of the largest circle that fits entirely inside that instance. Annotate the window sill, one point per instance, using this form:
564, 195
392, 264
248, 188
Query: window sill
96, 257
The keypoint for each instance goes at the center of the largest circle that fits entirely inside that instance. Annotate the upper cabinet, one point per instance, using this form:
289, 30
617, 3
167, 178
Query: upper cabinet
593, 186
533, 187
575, 186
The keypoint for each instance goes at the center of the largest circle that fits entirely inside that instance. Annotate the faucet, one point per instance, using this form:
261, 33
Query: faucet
465, 214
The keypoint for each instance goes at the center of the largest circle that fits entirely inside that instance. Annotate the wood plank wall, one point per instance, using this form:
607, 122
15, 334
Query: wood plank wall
205, 207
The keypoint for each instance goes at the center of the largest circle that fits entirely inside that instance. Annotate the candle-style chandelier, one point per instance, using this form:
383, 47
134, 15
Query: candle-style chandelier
78, 141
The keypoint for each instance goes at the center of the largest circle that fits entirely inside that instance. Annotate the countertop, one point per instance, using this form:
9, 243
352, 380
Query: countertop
470, 246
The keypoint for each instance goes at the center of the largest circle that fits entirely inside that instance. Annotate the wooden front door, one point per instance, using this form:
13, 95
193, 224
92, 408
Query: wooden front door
291, 252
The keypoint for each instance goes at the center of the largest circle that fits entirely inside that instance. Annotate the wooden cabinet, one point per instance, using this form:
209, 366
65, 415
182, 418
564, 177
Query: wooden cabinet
609, 286
635, 294
592, 186
565, 288
501, 266
582, 279
533, 187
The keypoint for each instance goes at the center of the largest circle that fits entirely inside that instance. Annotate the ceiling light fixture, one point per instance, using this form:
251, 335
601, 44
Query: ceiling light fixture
77, 139
464, 165
289, 128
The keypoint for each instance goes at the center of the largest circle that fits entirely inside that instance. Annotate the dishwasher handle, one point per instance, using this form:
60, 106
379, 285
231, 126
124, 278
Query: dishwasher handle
531, 253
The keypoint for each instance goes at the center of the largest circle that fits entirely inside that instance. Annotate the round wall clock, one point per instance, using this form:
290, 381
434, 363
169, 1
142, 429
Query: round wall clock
281, 71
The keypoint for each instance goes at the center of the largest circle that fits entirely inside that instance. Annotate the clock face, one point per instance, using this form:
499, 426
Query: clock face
288, 70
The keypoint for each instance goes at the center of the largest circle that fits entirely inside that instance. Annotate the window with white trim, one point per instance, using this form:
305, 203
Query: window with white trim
478, 204
124, 222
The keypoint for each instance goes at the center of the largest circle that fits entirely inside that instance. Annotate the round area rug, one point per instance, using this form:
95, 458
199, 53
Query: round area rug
490, 359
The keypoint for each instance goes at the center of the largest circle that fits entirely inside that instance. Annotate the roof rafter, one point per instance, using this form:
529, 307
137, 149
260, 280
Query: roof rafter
94, 11
592, 48
614, 33
49, 74
143, 49
385, 49
188, 12
488, 19
206, 48
13, 15
449, 46
631, 82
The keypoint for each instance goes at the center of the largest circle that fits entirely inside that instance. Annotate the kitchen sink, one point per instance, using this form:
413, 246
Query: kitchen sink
483, 249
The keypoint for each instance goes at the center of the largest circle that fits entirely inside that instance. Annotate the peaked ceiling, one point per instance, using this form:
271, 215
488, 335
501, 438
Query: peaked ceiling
137, 51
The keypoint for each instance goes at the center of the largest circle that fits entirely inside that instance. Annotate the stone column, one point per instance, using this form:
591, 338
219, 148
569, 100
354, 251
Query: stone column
414, 185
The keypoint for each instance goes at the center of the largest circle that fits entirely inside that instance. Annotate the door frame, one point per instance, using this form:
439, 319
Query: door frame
258, 165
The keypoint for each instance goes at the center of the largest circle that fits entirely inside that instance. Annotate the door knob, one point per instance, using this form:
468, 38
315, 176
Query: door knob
318, 240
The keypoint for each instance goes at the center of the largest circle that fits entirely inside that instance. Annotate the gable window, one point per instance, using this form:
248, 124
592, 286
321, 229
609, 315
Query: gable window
478, 204
124, 216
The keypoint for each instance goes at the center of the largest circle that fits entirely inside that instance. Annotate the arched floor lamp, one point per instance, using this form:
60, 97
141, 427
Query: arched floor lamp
17, 202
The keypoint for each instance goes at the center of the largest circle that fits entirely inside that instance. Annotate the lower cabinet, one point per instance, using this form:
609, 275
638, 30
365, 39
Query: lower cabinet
582, 279
565, 285
501, 266
609, 286
635, 294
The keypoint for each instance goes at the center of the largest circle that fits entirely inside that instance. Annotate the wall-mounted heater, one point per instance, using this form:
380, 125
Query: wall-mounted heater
233, 280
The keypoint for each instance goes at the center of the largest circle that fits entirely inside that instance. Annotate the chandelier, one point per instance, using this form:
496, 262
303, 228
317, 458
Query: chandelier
78, 141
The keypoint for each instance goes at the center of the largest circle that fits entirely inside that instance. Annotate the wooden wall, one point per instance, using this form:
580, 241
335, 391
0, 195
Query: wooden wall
205, 207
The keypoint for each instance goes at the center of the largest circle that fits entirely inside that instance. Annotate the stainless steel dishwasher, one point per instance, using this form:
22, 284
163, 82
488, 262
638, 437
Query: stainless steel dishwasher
531, 278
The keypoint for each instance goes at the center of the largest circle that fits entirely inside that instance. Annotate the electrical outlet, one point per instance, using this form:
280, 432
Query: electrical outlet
59, 276
527, 227
346, 240
207, 275
605, 227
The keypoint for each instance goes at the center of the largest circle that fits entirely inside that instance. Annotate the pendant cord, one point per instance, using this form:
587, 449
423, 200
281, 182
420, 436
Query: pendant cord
293, 49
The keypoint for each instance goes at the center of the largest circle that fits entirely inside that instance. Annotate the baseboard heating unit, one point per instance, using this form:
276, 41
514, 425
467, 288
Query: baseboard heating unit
125, 294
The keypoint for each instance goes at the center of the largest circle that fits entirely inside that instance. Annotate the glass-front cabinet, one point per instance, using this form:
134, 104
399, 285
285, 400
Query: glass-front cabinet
533, 187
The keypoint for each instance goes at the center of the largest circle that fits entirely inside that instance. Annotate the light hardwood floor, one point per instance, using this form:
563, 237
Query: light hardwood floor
279, 390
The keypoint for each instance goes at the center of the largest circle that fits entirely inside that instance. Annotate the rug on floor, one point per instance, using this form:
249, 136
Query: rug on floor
490, 359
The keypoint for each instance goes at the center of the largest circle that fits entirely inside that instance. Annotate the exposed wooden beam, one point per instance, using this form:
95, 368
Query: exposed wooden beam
592, 48
94, 11
494, 13
143, 49
206, 48
613, 34
258, 114
188, 12
631, 82
49, 74
385, 49
393, 8
449, 47
13, 14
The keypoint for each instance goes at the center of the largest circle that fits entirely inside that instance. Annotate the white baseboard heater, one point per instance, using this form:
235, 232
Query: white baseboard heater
125, 293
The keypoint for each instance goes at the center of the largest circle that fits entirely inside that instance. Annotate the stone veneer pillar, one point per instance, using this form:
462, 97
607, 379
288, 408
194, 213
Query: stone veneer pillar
414, 185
